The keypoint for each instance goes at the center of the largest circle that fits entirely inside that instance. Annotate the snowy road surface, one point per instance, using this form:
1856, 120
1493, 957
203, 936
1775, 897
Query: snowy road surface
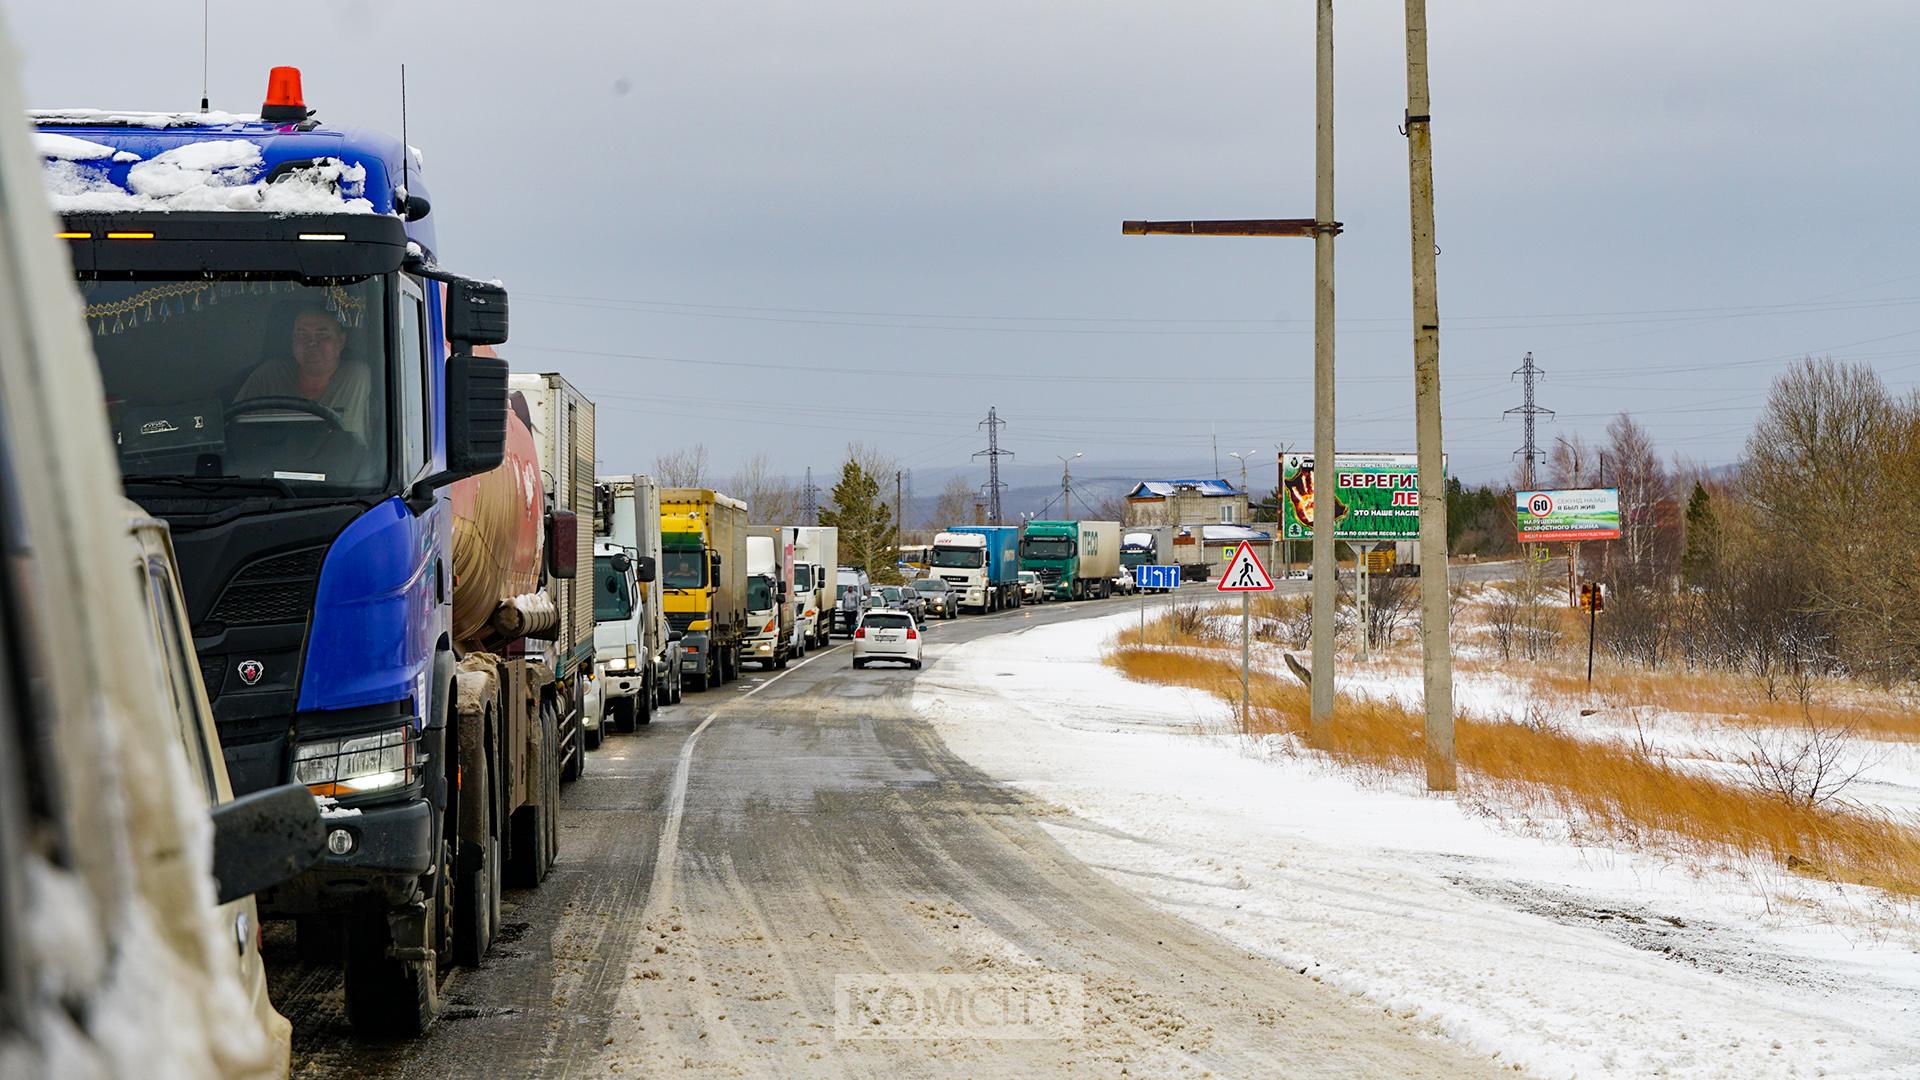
711, 891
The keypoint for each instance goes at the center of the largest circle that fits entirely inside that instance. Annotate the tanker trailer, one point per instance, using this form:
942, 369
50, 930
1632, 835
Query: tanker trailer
506, 701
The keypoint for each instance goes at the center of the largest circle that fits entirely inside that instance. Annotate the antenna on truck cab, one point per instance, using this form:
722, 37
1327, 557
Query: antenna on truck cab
406, 149
206, 20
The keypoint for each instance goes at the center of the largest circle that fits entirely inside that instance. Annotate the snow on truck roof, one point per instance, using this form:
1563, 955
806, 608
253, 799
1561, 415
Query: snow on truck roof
106, 161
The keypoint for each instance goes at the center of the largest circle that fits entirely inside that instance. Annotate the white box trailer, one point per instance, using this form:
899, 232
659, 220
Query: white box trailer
818, 548
634, 655
562, 421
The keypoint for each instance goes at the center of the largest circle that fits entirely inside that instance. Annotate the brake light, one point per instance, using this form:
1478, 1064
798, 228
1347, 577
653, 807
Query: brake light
912, 633
860, 631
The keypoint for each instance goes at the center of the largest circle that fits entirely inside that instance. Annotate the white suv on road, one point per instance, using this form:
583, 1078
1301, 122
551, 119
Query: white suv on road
886, 634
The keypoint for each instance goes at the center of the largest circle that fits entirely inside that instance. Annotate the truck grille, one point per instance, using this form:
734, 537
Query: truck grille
680, 620
276, 589
1049, 574
213, 671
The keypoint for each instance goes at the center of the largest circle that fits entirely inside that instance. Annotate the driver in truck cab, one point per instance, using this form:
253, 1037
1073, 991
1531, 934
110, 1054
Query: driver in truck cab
314, 369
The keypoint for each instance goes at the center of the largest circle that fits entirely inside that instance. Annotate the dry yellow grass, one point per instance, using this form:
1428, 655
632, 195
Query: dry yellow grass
1720, 696
1607, 787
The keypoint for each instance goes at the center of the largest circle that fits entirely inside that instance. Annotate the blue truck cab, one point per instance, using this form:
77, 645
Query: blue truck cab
272, 331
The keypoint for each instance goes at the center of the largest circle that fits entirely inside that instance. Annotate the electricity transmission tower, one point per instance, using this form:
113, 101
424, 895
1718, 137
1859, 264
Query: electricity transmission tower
1529, 452
812, 494
993, 454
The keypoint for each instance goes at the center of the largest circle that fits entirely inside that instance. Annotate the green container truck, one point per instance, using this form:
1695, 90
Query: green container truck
1077, 560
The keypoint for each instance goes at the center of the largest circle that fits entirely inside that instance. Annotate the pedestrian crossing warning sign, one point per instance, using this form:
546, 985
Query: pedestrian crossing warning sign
1244, 572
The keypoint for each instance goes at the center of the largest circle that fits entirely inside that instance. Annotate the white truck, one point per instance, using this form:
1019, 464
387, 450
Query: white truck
633, 656
129, 941
817, 548
772, 631
562, 421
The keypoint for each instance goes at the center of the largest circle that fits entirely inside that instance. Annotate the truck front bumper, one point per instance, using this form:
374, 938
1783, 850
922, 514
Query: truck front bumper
760, 647
622, 682
391, 846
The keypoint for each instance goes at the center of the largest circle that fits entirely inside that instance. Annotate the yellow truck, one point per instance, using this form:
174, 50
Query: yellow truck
703, 572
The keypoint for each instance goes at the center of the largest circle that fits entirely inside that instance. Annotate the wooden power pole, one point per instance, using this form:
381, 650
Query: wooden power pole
1435, 639
1322, 228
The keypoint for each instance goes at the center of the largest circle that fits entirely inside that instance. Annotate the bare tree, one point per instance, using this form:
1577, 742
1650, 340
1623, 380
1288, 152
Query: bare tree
770, 499
1635, 468
685, 467
955, 504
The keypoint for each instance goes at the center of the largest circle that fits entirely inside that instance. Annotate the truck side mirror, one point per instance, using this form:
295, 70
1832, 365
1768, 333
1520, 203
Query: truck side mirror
475, 423
476, 312
563, 540
621, 562
645, 570
265, 839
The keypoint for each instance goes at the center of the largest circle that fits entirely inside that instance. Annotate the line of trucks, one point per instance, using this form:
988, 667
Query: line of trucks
406, 588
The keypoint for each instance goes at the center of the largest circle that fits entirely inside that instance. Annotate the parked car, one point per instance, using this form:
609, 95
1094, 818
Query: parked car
887, 634
1032, 589
909, 600
1124, 583
941, 599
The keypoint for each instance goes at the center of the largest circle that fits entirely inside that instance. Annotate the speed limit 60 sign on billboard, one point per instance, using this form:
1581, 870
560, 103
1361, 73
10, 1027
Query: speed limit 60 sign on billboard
1576, 514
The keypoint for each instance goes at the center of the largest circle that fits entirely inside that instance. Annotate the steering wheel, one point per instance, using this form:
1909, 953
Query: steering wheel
288, 404
326, 414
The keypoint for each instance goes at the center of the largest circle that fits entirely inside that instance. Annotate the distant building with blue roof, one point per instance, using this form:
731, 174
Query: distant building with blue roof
1186, 502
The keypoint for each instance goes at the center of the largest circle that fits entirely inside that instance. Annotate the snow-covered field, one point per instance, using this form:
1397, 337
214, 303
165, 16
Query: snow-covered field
1567, 960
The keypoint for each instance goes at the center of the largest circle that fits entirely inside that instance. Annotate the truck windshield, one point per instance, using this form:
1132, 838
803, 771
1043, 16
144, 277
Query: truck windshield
958, 558
612, 600
759, 593
683, 568
802, 577
1135, 558
1046, 547
220, 380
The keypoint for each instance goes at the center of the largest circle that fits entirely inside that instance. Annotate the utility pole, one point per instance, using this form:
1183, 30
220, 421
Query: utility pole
1066, 485
993, 454
1437, 657
1325, 582
1322, 228
1214, 429
1529, 452
898, 521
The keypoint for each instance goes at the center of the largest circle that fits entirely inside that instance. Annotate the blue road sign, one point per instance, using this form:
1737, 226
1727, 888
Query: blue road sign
1157, 577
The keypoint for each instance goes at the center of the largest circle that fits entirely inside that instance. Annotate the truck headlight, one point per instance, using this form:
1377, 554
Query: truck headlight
358, 764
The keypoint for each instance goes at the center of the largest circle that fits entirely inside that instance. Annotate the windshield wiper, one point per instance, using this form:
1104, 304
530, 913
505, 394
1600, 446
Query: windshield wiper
214, 485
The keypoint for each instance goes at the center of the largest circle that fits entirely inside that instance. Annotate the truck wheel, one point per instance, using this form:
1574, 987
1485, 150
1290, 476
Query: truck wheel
621, 713
388, 997
699, 683
643, 706
535, 827
593, 737
780, 661
475, 898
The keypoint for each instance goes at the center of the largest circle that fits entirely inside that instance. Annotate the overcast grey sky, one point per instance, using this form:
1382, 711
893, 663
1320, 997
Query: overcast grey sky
715, 217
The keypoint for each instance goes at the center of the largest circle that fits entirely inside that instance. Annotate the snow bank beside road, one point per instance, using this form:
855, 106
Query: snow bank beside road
1570, 961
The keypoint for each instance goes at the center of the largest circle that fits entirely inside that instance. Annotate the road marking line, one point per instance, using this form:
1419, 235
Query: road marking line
660, 893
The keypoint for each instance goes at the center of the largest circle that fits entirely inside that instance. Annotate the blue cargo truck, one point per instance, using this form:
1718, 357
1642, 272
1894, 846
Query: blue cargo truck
981, 562
293, 385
